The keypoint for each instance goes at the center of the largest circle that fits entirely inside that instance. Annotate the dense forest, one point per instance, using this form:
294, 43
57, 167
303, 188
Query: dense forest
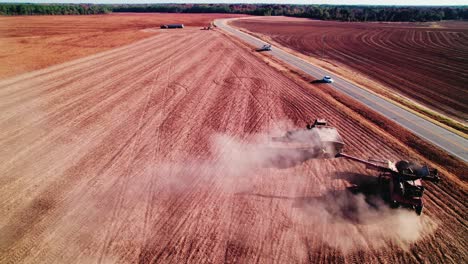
53, 9
325, 12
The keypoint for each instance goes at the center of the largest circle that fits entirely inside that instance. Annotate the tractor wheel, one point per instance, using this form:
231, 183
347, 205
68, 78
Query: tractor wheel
418, 209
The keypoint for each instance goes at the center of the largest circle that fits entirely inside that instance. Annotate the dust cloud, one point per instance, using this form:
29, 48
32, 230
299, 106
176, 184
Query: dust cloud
349, 222
339, 218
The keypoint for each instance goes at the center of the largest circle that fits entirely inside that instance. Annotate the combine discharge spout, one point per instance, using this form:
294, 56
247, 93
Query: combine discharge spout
369, 164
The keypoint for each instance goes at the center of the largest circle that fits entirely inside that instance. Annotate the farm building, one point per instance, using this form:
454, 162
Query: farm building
173, 26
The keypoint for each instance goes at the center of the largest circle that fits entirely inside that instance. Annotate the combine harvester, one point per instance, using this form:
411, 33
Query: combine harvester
400, 183
403, 180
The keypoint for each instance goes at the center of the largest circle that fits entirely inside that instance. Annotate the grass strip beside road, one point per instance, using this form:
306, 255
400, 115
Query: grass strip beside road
377, 89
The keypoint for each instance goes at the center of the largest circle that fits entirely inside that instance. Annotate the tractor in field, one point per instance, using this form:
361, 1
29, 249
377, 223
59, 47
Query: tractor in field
208, 27
400, 182
319, 139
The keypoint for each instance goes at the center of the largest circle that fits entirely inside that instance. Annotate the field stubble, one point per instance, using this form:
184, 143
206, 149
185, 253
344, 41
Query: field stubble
35, 42
158, 151
424, 61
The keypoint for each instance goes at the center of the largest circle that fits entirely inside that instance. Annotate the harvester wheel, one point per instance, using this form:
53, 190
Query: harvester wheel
418, 209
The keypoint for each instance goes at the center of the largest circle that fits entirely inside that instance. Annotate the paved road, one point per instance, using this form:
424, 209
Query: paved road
445, 139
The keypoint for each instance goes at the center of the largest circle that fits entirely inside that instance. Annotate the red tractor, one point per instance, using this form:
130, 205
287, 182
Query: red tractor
403, 180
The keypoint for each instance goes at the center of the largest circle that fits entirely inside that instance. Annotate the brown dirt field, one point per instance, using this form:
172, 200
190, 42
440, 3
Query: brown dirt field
444, 160
158, 152
35, 42
423, 61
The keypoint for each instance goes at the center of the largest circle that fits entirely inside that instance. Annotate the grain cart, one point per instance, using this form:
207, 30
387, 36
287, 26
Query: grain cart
321, 140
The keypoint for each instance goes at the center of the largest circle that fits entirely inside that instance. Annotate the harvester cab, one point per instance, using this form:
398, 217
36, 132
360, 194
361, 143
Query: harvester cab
412, 171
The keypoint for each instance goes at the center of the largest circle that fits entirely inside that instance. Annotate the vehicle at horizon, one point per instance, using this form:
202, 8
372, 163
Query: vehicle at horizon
171, 26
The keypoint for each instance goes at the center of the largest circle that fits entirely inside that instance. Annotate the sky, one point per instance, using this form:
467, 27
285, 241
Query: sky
332, 2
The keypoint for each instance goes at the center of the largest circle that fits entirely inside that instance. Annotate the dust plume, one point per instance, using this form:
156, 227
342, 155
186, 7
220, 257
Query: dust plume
350, 222
339, 218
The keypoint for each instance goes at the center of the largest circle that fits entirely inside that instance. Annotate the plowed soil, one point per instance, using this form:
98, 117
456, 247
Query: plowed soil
159, 152
427, 62
35, 42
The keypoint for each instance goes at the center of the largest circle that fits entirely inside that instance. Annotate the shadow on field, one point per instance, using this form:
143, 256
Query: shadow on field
348, 204
337, 204
365, 184
317, 81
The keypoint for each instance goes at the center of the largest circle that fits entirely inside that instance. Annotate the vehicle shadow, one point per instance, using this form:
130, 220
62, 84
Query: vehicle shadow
360, 183
367, 185
336, 204
348, 204
317, 81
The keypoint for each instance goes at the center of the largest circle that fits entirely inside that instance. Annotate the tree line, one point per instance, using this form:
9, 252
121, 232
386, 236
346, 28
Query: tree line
53, 9
324, 12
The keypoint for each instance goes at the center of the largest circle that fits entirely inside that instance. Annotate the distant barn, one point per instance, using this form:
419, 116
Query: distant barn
173, 26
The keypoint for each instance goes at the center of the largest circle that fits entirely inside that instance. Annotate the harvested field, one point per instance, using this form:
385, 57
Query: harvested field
158, 151
427, 62
34, 42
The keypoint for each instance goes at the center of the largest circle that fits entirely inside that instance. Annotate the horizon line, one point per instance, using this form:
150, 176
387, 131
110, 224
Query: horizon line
233, 3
